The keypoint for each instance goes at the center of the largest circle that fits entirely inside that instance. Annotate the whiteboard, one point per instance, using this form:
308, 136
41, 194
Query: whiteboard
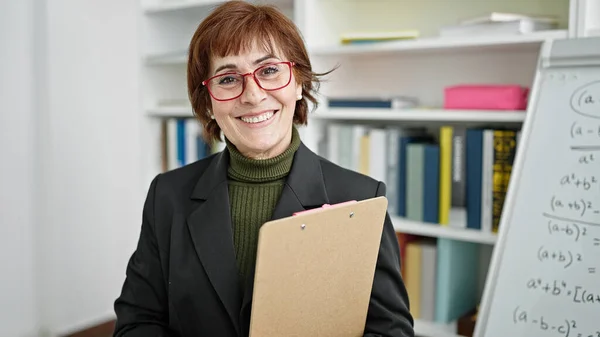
544, 278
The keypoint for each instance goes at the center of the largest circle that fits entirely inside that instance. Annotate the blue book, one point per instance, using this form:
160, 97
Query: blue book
456, 291
203, 150
368, 103
403, 141
474, 175
181, 142
357, 103
422, 182
431, 183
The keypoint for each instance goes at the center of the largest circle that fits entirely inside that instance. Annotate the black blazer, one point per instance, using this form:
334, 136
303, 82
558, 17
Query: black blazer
182, 280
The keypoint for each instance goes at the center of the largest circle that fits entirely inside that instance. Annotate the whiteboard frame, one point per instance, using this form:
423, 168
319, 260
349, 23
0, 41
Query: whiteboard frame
512, 192
570, 52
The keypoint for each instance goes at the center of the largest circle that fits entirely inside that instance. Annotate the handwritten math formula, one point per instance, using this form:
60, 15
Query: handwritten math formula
585, 183
574, 231
566, 327
579, 130
575, 293
549, 283
573, 211
579, 207
570, 278
565, 258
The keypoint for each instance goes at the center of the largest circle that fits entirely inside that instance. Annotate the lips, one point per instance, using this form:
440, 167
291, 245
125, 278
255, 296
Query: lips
259, 118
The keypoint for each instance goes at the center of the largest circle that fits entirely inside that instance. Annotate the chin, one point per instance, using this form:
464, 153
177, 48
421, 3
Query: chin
261, 146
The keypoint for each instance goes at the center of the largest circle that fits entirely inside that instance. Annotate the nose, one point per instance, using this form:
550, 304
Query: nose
253, 93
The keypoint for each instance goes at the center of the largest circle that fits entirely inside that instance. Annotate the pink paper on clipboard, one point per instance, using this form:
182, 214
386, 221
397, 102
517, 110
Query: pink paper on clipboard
325, 206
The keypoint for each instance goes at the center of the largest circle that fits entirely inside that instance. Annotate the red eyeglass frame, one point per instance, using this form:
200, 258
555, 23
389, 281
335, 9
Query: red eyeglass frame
289, 63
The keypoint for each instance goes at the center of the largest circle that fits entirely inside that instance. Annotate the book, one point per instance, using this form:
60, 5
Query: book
398, 102
378, 36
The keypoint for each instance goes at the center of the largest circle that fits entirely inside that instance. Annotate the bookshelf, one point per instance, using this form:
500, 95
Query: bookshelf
440, 231
170, 112
420, 68
175, 5
172, 6
430, 329
437, 44
383, 115
421, 115
423, 45
176, 57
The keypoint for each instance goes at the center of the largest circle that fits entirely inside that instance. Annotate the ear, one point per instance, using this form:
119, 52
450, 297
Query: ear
299, 90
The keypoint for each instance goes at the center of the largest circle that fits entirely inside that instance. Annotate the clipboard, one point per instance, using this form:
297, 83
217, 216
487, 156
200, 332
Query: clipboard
314, 271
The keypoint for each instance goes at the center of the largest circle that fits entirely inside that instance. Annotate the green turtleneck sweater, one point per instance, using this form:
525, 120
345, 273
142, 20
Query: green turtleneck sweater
254, 189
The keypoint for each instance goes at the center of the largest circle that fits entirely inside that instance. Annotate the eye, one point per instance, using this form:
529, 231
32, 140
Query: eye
270, 70
227, 80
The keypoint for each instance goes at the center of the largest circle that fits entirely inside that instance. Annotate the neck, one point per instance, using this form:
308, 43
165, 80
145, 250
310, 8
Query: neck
248, 169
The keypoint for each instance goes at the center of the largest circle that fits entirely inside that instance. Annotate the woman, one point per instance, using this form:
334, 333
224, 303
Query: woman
250, 78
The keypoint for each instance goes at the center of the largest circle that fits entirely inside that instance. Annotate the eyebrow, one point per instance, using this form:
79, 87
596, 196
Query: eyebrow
233, 66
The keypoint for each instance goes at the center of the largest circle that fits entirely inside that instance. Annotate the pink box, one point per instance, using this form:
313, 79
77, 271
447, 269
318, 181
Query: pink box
488, 97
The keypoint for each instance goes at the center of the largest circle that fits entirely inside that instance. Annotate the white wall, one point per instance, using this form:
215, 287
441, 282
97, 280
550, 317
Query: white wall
70, 186
17, 158
91, 213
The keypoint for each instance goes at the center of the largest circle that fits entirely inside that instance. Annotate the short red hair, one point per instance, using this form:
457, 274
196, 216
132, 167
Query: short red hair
232, 28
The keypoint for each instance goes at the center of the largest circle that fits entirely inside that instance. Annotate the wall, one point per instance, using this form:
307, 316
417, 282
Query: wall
70, 188
92, 193
17, 158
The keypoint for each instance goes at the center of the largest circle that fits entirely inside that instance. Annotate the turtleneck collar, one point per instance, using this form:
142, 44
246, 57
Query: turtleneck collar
244, 169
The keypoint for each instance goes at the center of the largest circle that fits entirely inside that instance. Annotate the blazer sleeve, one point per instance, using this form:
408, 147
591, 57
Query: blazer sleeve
388, 313
141, 308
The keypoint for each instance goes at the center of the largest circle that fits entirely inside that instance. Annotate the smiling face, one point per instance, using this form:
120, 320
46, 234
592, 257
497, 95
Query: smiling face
258, 122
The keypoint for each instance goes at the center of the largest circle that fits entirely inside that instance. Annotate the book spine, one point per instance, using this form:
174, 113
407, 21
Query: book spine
392, 173
509, 146
498, 189
431, 183
459, 162
415, 172
474, 176
486, 181
181, 142
383, 104
445, 178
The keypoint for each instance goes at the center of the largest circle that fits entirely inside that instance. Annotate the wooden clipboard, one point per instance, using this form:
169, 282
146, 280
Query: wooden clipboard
314, 271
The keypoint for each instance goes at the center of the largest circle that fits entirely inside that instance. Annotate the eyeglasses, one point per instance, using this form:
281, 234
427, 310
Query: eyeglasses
231, 85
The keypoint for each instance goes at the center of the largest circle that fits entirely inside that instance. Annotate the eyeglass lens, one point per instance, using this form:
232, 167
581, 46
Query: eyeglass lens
269, 77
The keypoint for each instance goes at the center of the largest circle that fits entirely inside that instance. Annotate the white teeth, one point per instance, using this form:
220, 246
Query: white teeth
259, 118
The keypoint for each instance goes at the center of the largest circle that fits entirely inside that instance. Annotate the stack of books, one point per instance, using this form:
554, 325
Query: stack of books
499, 24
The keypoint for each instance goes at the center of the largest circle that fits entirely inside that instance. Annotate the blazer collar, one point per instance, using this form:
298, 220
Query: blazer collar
211, 229
213, 176
212, 235
305, 178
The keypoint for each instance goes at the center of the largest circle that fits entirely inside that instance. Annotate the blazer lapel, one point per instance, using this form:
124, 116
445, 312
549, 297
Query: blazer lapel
304, 189
210, 228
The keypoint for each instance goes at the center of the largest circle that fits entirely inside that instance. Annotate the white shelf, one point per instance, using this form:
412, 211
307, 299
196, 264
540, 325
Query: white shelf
177, 5
420, 115
180, 58
431, 329
426, 44
385, 115
532, 40
170, 112
436, 230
